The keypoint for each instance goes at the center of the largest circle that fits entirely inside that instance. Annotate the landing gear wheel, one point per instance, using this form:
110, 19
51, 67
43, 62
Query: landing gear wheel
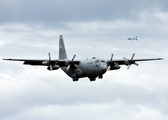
92, 79
75, 79
100, 77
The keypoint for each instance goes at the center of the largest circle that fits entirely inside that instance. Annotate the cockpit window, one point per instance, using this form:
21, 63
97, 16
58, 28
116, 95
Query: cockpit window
97, 61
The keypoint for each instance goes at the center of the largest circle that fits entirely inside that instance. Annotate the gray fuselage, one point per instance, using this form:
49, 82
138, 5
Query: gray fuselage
91, 68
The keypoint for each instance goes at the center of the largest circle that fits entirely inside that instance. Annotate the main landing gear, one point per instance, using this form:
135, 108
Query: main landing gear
75, 79
94, 78
100, 76
91, 78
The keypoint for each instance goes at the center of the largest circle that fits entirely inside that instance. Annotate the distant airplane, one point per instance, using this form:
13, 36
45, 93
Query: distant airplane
133, 38
91, 68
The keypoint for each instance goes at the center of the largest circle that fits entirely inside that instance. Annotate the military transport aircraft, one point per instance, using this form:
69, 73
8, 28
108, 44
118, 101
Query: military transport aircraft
91, 68
133, 38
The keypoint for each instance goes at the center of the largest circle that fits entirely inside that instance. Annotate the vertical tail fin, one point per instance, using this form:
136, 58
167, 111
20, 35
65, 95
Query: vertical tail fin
62, 50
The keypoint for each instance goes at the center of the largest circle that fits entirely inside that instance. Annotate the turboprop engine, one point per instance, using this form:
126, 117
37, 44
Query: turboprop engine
129, 62
76, 73
115, 67
51, 64
112, 65
54, 67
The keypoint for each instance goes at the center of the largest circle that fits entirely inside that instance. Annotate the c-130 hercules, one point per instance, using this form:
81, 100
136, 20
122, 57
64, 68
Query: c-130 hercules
91, 68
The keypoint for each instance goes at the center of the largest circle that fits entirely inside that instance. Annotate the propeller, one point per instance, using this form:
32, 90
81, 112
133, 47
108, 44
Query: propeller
109, 67
67, 68
129, 62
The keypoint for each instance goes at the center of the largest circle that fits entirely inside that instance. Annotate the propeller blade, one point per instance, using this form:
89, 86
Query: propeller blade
76, 65
125, 58
109, 67
133, 56
51, 67
136, 64
67, 68
73, 57
128, 67
49, 56
111, 57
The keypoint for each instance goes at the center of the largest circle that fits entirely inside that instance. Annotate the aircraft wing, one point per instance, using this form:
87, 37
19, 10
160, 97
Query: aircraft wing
31, 61
114, 64
124, 61
44, 62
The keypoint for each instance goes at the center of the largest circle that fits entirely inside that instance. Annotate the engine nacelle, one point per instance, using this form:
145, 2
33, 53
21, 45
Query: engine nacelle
76, 73
54, 67
115, 67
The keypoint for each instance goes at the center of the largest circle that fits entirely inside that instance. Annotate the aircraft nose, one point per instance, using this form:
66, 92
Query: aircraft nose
104, 67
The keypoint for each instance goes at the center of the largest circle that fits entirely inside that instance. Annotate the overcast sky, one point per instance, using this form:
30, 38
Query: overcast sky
31, 28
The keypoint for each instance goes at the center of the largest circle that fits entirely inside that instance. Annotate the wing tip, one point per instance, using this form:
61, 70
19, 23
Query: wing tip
6, 59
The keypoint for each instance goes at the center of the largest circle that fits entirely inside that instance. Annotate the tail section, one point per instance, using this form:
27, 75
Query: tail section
62, 50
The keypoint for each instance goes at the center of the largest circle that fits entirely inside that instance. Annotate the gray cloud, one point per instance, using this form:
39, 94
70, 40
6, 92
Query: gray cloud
30, 29
55, 12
